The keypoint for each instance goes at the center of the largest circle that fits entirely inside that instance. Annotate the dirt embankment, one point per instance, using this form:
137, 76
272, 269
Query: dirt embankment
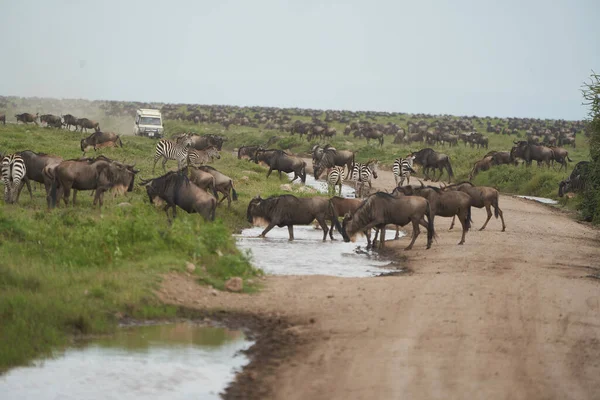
509, 315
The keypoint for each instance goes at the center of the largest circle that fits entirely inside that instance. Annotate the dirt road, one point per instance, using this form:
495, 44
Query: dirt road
509, 315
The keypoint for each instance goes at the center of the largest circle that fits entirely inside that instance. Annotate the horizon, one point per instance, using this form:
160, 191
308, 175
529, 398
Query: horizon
465, 59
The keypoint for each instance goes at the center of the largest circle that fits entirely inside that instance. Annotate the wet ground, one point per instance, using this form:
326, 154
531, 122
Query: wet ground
175, 361
321, 186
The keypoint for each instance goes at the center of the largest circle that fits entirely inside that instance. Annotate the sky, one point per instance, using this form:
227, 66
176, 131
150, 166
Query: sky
514, 58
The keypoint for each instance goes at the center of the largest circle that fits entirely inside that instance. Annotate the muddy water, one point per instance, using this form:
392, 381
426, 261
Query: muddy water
321, 186
539, 199
175, 361
308, 255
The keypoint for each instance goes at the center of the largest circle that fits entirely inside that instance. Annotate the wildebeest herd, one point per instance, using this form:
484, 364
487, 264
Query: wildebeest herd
196, 187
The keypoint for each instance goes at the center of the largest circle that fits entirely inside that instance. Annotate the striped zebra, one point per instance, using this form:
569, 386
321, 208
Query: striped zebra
402, 168
335, 175
362, 175
170, 150
14, 174
199, 157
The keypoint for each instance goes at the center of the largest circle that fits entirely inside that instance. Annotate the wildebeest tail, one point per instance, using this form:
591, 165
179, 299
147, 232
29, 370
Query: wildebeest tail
430, 228
303, 173
233, 192
450, 172
468, 219
119, 140
569, 158
53, 191
495, 204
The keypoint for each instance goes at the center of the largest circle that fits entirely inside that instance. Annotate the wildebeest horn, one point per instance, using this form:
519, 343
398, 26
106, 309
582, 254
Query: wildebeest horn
144, 182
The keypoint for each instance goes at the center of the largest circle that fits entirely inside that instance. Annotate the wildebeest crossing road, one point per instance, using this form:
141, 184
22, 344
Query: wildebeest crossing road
507, 315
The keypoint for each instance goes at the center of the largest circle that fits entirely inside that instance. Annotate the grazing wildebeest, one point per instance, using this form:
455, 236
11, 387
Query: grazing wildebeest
444, 204
288, 210
204, 180
501, 158
27, 118
3, 119
35, 164
223, 184
429, 158
532, 152
281, 162
202, 142
85, 123
247, 152
481, 196
370, 133
576, 182
177, 191
328, 157
100, 139
100, 175
482, 165
51, 120
69, 121
561, 156
381, 209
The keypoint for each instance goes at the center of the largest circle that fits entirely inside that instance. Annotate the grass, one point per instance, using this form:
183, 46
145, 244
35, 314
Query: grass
77, 270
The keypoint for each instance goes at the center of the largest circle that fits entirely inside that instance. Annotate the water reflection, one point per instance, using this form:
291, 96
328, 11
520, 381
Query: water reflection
175, 361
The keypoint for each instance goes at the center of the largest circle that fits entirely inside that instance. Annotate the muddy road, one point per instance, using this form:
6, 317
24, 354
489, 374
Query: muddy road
509, 315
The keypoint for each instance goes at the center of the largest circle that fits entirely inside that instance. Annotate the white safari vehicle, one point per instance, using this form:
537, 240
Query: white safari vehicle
148, 122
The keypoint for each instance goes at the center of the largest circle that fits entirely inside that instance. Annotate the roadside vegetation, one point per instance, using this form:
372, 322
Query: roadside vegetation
590, 204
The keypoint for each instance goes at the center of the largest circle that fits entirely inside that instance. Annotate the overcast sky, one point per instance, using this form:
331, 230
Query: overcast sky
502, 58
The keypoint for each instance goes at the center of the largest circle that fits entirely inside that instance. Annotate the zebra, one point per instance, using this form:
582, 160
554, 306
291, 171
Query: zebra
402, 168
198, 157
170, 150
14, 174
335, 175
362, 175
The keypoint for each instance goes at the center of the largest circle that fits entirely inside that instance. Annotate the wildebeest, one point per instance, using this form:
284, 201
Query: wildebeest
481, 196
177, 191
338, 207
223, 184
501, 158
27, 118
531, 152
444, 204
429, 158
85, 123
196, 157
202, 142
100, 139
247, 152
51, 120
561, 156
328, 156
482, 165
204, 180
381, 209
263, 156
288, 210
69, 121
99, 175
281, 162
3, 119
577, 181
35, 164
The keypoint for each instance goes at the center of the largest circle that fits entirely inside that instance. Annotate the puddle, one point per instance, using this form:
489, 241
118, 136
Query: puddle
539, 199
321, 186
307, 254
174, 361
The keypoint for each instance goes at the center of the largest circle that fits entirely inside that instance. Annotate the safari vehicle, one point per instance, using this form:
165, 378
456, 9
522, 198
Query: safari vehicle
148, 122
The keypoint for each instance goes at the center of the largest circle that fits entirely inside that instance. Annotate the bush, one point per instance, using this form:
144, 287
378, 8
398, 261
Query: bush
590, 205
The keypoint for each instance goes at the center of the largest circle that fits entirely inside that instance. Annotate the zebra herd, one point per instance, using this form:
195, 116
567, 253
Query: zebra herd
13, 175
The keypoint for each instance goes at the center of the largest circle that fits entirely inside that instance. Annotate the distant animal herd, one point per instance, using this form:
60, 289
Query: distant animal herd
195, 186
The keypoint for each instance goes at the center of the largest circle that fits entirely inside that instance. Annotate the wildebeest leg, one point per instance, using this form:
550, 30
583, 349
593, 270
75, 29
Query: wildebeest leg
462, 217
373, 243
441, 173
397, 233
24, 182
269, 173
280, 175
416, 232
164, 162
291, 232
452, 223
382, 237
324, 227
267, 229
488, 208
